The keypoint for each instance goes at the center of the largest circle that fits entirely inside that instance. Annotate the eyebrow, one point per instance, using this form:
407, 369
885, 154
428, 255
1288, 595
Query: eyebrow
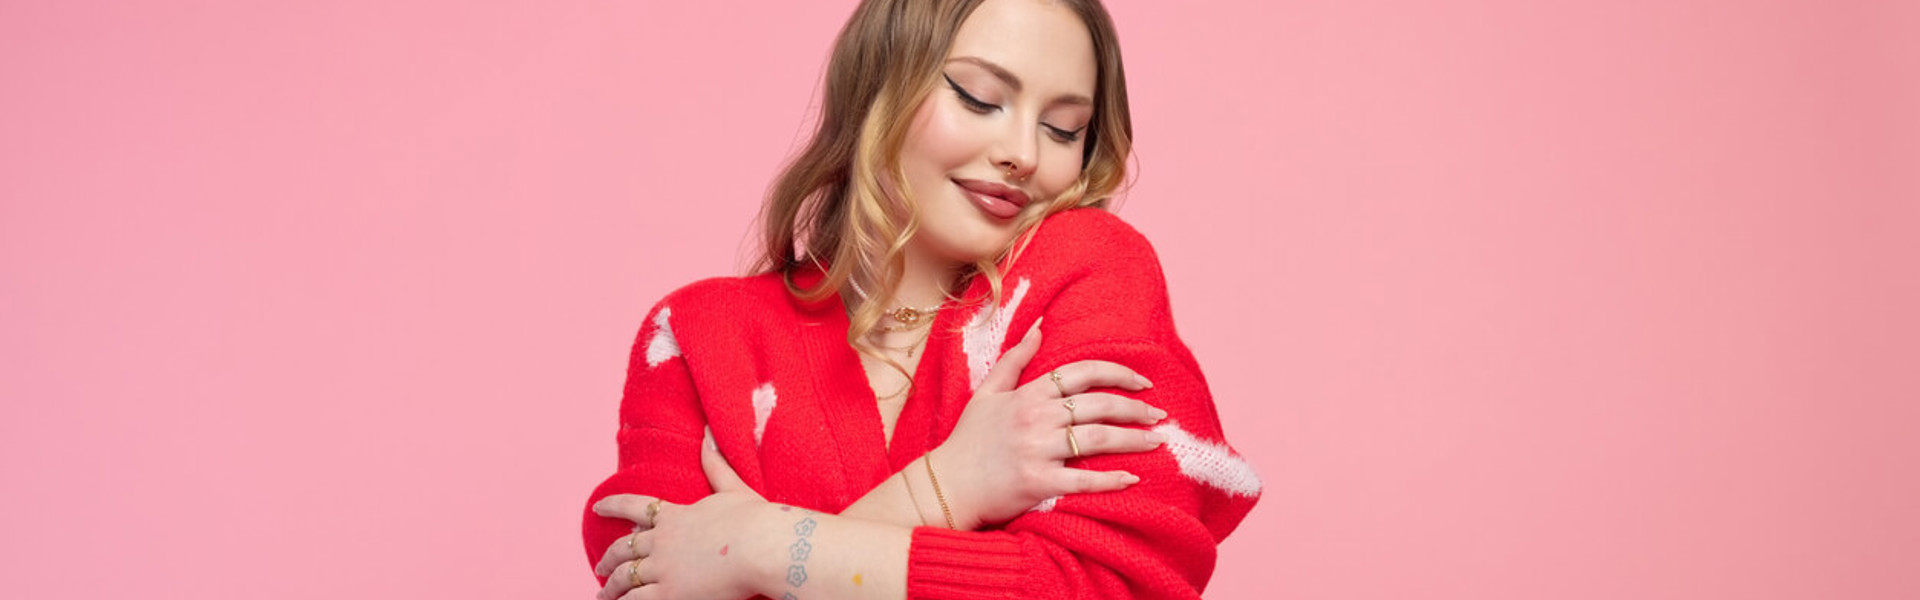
1013, 81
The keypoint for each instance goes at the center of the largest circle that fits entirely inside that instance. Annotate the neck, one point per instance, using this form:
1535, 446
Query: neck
923, 285
925, 281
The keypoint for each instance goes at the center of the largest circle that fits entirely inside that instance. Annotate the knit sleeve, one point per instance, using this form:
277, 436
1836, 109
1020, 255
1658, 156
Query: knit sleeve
1155, 539
661, 429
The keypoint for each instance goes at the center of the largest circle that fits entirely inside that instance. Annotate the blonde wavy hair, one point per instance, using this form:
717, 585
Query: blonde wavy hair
829, 203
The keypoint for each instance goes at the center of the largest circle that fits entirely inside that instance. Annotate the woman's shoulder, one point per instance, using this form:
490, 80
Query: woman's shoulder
759, 294
1099, 285
1087, 239
1090, 226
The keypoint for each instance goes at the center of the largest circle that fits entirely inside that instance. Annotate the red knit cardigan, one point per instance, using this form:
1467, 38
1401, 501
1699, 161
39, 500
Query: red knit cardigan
791, 409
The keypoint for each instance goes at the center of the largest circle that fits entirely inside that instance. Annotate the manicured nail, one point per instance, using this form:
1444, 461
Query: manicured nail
1156, 413
1156, 438
1143, 381
1130, 478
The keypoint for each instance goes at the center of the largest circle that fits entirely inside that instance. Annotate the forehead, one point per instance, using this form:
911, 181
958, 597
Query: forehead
1042, 42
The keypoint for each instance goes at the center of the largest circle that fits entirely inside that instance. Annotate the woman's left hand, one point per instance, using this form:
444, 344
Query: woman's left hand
696, 551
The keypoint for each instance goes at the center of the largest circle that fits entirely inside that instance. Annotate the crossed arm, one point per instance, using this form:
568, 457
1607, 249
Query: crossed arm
1098, 533
1006, 455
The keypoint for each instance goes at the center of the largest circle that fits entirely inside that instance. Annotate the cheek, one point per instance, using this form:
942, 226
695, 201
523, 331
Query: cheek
1060, 172
938, 140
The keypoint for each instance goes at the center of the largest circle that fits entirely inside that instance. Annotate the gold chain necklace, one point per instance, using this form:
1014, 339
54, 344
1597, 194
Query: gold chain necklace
910, 318
916, 345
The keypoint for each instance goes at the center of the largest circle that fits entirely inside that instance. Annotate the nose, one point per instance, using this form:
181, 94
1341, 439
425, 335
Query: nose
1017, 153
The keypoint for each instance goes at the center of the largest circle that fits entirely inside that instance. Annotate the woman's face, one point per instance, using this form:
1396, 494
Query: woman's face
1003, 131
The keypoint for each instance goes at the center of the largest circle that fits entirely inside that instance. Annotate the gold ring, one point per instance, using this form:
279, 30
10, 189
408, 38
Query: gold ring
633, 573
653, 511
1072, 444
630, 547
1055, 375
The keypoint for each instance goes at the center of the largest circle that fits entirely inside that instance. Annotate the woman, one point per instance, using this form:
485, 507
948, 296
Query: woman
952, 194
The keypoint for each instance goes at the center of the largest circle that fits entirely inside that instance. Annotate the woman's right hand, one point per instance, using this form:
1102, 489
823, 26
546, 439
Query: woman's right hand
1009, 449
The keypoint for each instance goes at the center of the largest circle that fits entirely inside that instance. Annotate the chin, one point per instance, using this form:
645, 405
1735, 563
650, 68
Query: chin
967, 250
959, 233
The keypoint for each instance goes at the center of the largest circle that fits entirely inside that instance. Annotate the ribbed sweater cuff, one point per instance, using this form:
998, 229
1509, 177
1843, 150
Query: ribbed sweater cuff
943, 563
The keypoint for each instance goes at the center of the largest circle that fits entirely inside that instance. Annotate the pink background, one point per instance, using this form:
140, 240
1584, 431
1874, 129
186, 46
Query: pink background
1502, 299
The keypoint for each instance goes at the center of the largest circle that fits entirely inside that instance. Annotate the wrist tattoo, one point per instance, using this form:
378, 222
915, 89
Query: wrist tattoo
799, 552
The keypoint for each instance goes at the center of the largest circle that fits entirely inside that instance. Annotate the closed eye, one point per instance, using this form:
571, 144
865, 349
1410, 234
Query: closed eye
1063, 136
976, 105
972, 103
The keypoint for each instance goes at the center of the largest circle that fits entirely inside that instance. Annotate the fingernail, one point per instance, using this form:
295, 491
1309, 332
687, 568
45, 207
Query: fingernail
1143, 381
1130, 478
1156, 413
1155, 437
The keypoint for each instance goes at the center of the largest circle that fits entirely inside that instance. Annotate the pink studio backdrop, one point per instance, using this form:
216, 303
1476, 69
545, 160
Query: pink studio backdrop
1502, 299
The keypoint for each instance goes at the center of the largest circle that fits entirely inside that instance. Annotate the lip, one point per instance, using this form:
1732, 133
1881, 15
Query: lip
1010, 199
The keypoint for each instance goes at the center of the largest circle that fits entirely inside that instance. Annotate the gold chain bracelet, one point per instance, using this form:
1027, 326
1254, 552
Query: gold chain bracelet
911, 499
936, 491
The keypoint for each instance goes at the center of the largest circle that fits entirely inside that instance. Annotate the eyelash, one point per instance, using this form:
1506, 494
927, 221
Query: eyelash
974, 104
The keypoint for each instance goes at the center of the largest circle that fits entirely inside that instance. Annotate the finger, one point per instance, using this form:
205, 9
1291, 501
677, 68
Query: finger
622, 580
1006, 373
1088, 374
632, 507
628, 547
720, 475
1101, 407
1081, 481
616, 553
1107, 439
649, 571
